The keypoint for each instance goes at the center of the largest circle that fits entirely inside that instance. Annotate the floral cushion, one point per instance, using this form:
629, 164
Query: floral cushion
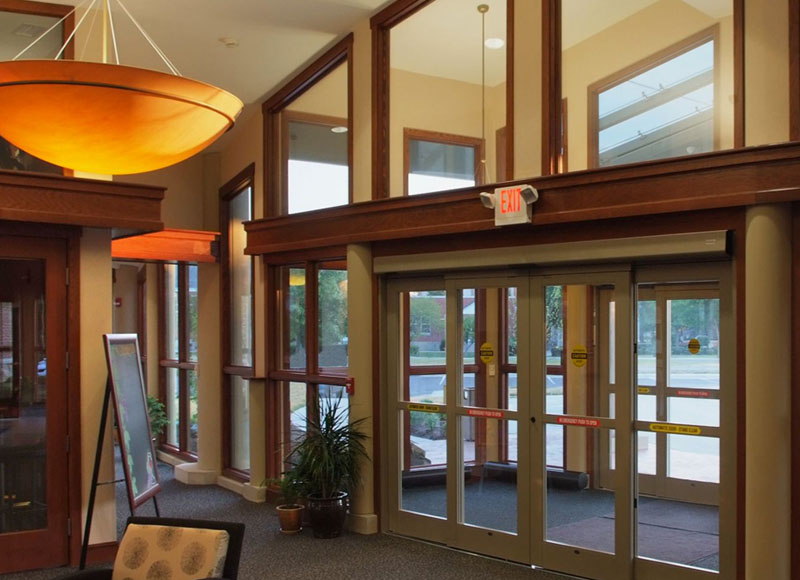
150, 552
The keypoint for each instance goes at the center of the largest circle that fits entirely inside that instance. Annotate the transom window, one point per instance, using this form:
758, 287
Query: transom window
440, 162
663, 107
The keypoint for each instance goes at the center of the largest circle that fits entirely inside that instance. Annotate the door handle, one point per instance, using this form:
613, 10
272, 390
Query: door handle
533, 419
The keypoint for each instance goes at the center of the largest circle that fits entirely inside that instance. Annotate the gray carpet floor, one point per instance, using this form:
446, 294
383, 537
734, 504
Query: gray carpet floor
269, 554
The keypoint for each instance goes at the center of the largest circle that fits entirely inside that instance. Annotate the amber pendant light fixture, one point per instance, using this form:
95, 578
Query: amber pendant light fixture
107, 118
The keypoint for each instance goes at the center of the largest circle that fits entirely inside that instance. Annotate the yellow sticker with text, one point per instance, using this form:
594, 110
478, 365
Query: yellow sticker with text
694, 346
644, 390
486, 352
675, 429
424, 408
579, 355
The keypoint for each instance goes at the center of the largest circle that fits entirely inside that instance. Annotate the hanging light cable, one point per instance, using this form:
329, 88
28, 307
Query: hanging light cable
483, 9
108, 118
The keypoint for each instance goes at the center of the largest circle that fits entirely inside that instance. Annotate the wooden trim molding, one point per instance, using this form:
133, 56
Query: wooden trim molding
55, 199
794, 71
795, 532
551, 85
340, 53
168, 246
736, 177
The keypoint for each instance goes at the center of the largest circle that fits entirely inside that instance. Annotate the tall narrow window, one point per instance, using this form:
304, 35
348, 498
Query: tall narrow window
178, 315
313, 361
237, 279
307, 133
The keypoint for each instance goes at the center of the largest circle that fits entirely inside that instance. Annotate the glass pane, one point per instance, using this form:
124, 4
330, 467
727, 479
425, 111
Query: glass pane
513, 398
469, 305
647, 452
693, 411
423, 469
315, 137
646, 408
554, 324
171, 311
427, 388
192, 438
298, 408
332, 318
490, 491
240, 423
241, 297
693, 458
694, 343
191, 311
554, 446
23, 396
440, 166
579, 514
173, 406
295, 355
427, 328
511, 325
678, 532
665, 93
441, 106
646, 343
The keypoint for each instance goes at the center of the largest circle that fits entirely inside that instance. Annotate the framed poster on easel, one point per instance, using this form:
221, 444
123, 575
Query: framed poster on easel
133, 424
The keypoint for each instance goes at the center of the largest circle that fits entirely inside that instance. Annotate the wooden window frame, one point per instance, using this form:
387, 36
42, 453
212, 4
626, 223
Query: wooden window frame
381, 24
475, 143
279, 375
552, 80
710, 34
241, 182
275, 190
183, 365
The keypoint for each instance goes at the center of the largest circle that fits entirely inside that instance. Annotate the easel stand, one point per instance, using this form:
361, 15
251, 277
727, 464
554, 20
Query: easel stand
96, 473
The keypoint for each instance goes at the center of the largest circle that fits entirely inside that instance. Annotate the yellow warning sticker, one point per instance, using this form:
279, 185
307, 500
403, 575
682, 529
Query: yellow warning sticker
579, 355
424, 408
676, 429
644, 390
486, 352
694, 346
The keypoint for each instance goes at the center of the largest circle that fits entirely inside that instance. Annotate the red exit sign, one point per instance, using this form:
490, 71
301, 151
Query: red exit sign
510, 207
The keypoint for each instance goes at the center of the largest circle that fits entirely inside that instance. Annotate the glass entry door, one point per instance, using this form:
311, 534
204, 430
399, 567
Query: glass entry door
581, 343
579, 421
460, 455
33, 402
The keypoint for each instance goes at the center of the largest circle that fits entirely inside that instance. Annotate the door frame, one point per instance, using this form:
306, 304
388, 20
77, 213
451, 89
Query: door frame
71, 238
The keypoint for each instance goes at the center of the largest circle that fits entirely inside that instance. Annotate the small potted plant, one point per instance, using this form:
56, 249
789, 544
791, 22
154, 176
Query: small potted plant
290, 510
327, 463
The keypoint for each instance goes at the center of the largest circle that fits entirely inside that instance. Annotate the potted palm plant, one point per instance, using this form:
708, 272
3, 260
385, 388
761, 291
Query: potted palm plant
327, 462
290, 510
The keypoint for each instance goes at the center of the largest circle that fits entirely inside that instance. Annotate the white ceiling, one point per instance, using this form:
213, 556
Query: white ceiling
275, 37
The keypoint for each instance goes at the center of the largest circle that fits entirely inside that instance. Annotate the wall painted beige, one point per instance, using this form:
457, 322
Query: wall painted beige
630, 40
440, 105
125, 288
95, 320
327, 97
151, 288
527, 89
766, 71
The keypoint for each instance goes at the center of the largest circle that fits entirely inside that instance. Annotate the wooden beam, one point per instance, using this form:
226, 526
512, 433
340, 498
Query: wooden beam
56, 199
167, 246
734, 178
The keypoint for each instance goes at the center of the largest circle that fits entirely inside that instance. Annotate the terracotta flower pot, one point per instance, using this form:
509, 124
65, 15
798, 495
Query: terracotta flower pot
290, 517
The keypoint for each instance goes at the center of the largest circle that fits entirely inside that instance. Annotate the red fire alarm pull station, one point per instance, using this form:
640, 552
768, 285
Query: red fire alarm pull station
350, 386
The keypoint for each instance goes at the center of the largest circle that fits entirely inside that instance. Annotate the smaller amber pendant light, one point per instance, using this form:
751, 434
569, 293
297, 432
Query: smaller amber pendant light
108, 118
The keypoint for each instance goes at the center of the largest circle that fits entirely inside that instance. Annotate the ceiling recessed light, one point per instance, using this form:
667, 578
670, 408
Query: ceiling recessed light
494, 43
229, 42
339, 129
